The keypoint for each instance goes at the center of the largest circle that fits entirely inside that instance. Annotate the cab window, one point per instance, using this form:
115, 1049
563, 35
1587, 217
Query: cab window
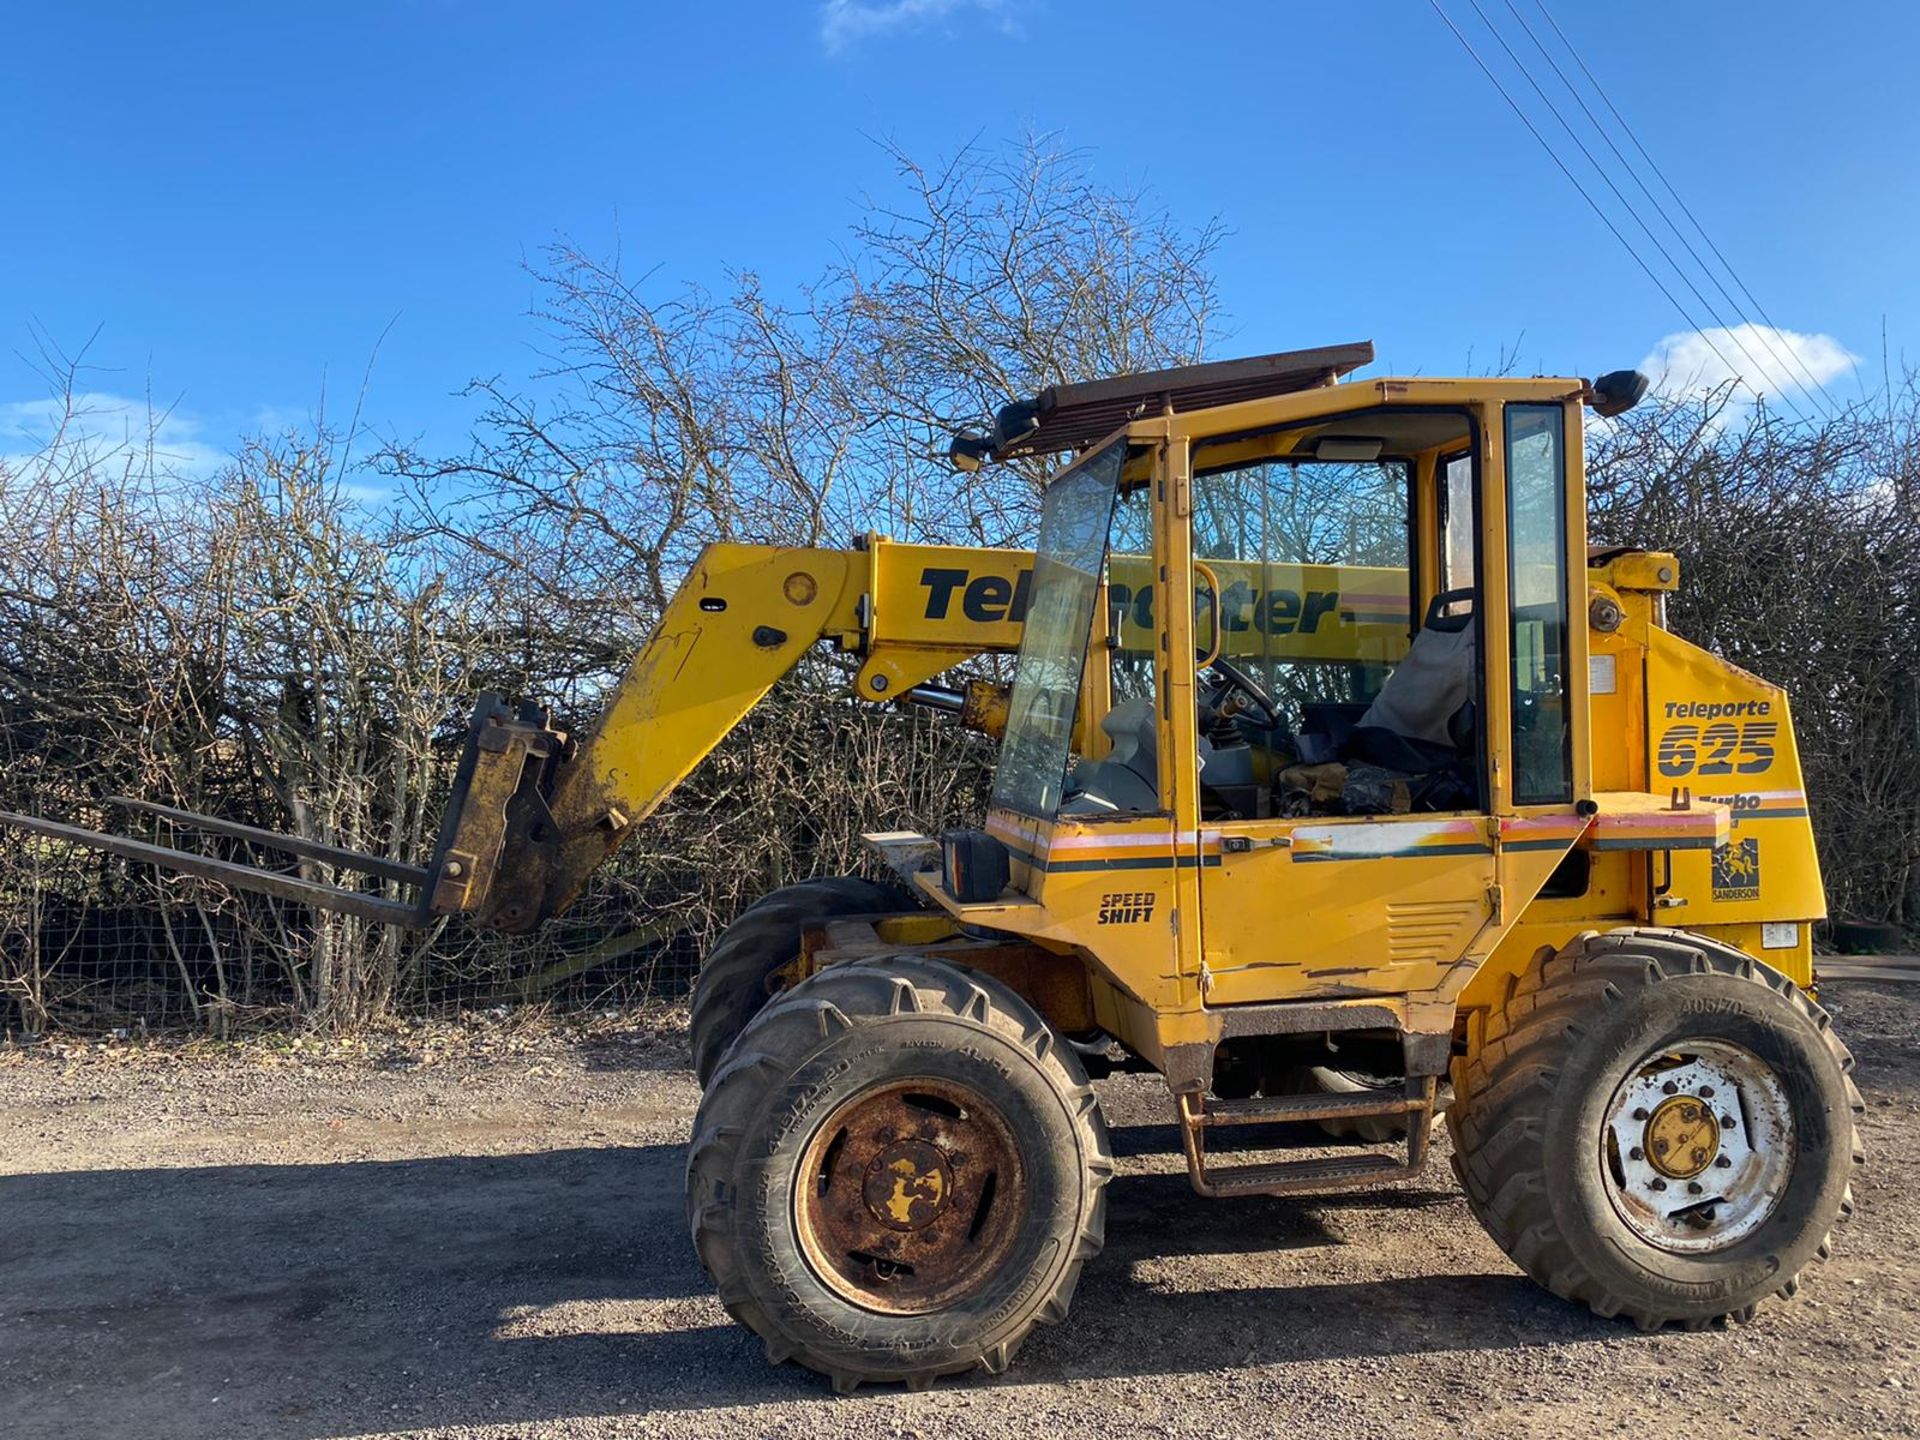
1537, 551
1307, 592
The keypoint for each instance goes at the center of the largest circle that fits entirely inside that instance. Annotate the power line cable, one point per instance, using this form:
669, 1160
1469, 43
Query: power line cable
1781, 351
1574, 180
1600, 90
1626, 204
1784, 355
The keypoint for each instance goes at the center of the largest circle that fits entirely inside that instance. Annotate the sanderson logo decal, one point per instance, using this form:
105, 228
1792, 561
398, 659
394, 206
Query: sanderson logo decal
1736, 871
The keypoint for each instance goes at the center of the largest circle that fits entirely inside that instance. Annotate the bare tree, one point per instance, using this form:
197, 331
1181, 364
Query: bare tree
996, 274
1800, 559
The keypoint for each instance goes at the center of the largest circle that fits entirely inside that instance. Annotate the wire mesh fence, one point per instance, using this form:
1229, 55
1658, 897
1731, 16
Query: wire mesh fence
94, 942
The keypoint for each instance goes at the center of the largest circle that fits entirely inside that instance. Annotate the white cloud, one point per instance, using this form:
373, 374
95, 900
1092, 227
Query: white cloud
107, 431
105, 426
1766, 361
847, 22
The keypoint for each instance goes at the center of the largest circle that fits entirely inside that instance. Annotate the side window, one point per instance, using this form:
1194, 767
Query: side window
1537, 574
1312, 562
1304, 556
1031, 775
1457, 534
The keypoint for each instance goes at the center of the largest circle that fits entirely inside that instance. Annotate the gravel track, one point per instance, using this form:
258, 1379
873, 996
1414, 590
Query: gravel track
483, 1237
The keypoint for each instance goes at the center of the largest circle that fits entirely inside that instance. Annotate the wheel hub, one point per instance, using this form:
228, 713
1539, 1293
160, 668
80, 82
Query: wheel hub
909, 1196
1682, 1137
1699, 1144
907, 1185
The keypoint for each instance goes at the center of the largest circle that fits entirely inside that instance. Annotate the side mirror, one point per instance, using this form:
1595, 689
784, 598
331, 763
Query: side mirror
1617, 392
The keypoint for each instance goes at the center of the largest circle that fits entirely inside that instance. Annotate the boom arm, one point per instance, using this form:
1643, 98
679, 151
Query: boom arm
534, 811
742, 620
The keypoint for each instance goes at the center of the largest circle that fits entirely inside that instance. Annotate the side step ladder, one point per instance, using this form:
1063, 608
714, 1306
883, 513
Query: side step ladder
1198, 1114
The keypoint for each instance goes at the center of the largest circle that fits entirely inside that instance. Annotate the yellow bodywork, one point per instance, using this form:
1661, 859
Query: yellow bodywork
1688, 797
1689, 805
1618, 776
747, 614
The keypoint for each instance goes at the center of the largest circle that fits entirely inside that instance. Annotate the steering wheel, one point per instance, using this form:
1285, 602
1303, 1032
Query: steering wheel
1235, 681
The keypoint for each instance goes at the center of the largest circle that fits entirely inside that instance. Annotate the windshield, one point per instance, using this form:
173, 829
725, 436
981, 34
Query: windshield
1053, 649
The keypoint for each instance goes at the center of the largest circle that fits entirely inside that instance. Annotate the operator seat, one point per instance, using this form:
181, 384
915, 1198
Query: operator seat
1423, 717
1129, 778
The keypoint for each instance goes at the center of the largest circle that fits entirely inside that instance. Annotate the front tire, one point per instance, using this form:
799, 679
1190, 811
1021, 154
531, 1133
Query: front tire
1657, 1126
737, 978
897, 1173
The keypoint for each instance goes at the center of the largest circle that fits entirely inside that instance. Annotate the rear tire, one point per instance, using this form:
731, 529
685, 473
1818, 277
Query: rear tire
734, 982
897, 1173
1657, 1126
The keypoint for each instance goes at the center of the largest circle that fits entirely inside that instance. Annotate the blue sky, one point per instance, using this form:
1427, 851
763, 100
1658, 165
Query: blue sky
244, 199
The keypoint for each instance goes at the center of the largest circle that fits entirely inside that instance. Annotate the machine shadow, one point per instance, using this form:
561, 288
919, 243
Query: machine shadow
367, 1295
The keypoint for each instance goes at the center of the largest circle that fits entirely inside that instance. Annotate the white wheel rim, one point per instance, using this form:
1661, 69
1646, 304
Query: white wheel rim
1697, 1147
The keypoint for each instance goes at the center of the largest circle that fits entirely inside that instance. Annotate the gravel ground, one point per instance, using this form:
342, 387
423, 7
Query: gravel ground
478, 1233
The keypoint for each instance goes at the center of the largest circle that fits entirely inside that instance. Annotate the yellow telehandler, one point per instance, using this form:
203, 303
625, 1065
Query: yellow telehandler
1339, 782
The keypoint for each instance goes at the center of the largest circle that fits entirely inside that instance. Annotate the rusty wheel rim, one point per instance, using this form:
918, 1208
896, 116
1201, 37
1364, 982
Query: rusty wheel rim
910, 1196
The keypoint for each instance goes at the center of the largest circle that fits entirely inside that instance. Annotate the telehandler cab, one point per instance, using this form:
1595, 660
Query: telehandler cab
1335, 768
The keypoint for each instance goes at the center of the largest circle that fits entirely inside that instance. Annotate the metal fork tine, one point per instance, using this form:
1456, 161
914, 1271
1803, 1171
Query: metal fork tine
243, 877
274, 840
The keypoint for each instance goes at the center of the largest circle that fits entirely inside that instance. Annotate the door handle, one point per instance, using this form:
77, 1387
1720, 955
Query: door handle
1241, 844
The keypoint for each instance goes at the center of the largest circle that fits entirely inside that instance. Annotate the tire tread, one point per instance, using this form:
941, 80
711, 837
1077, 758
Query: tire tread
780, 1037
732, 984
1505, 1081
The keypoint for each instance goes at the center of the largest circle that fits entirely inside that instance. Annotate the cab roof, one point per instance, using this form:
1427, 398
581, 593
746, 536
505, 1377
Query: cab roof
1068, 417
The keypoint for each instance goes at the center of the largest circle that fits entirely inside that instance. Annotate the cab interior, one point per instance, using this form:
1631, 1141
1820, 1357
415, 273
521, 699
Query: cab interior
1337, 572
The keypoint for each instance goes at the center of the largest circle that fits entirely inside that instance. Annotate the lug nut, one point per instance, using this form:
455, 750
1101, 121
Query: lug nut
1670, 1088
1727, 1122
1659, 1185
1636, 1153
1724, 1163
1706, 1092
1640, 1114
1693, 1187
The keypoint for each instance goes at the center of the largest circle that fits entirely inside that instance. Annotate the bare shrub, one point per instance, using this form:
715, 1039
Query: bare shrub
669, 419
245, 645
264, 645
1800, 560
